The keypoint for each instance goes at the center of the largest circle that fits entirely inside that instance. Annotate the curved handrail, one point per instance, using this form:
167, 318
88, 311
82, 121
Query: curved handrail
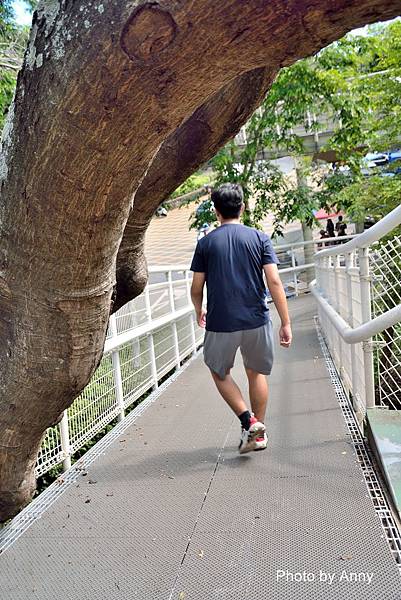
382, 228
363, 332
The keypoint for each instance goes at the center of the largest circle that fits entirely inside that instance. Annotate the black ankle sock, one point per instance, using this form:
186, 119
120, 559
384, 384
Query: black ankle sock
245, 419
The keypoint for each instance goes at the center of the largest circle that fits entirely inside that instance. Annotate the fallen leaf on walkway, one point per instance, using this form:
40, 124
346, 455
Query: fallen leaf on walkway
346, 557
201, 554
91, 481
181, 596
121, 441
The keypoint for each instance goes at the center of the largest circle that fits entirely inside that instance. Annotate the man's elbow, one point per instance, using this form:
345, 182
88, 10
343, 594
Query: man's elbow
196, 293
274, 281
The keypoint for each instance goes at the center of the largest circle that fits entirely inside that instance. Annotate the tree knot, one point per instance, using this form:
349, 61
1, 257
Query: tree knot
149, 30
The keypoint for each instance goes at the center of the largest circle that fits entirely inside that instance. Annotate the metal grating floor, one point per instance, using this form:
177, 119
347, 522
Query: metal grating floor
172, 512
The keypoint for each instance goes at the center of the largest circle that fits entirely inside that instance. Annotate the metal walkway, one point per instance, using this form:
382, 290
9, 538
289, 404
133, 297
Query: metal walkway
172, 512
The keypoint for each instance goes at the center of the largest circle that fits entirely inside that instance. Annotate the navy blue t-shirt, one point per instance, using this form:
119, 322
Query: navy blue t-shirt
232, 258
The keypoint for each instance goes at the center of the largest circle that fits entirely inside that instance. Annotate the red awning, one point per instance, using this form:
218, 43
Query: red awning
322, 214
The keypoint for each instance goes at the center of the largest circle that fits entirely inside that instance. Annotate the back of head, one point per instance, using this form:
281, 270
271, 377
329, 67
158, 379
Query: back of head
228, 199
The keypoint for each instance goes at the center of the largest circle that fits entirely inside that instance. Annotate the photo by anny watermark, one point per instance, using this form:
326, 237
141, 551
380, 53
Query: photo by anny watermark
328, 577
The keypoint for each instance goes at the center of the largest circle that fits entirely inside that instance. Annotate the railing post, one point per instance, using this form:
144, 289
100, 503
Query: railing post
115, 359
174, 323
193, 334
366, 309
295, 278
336, 286
148, 308
176, 345
188, 285
191, 315
153, 365
65, 441
349, 263
113, 325
170, 290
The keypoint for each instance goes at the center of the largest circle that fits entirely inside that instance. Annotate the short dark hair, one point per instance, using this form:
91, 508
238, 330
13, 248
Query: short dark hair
228, 199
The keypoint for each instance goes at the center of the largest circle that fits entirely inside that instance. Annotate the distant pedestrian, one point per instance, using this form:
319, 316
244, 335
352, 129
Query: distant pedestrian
231, 260
341, 224
330, 228
323, 235
342, 230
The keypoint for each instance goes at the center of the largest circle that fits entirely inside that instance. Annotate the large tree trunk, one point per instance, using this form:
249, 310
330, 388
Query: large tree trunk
102, 87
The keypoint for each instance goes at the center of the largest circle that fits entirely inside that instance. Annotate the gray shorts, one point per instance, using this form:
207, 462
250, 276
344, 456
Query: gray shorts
256, 345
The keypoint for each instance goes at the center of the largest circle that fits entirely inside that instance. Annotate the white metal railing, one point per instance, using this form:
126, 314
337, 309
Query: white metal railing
147, 338
358, 295
296, 255
152, 334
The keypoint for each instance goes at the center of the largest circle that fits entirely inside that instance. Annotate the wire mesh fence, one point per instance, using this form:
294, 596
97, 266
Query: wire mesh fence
358, 288
131, 367
385, 263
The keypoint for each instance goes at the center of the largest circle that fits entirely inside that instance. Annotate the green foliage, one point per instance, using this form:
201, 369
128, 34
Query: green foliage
6, 18
375, 196
13, 40
203, 215
344, 82
7, 86
260, 180
194, 182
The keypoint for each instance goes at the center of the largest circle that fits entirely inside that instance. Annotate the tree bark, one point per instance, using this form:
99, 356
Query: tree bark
191, 145
102, 87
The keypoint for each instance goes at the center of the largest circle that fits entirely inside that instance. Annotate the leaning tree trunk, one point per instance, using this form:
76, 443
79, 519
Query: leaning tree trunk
102, 87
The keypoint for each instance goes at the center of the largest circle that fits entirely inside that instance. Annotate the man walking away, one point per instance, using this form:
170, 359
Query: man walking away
231, 261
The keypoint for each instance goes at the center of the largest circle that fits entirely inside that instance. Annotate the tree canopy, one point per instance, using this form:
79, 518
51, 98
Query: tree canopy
13, 41
356, 83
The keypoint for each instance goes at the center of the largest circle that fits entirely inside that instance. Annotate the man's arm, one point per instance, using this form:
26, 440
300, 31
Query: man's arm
197, 286
278, 294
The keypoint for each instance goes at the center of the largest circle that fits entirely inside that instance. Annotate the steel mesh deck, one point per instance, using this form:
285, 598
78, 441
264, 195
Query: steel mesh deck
172, 512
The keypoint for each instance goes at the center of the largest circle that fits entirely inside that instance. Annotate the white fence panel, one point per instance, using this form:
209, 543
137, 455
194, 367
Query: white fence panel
358, 288
139, 352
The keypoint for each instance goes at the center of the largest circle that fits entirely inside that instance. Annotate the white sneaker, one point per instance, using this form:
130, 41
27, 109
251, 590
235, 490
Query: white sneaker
261, 442
249, 436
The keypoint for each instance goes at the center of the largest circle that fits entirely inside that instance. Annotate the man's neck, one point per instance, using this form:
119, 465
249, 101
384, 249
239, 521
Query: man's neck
229, 221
